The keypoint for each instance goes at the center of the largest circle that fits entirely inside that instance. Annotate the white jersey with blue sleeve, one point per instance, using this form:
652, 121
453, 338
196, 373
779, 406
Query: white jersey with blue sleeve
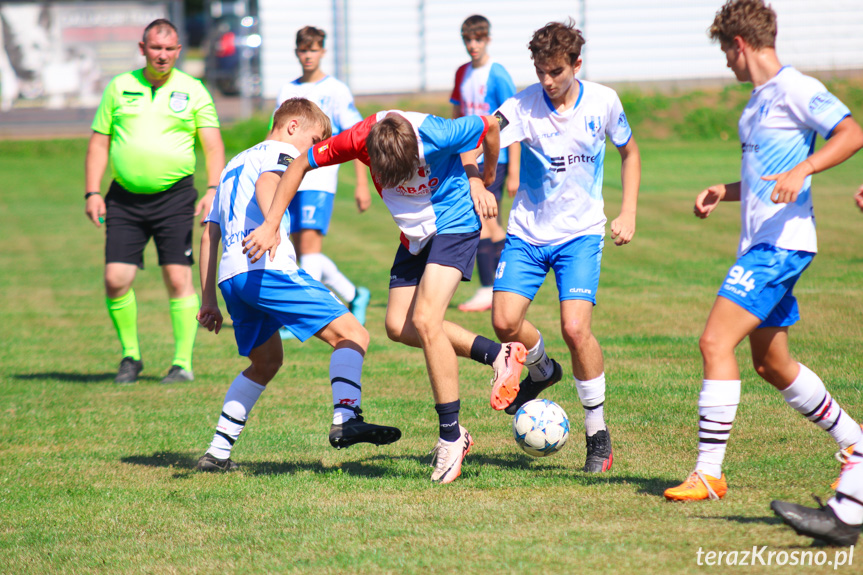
334, 98
235, 209
777, 131
562, 158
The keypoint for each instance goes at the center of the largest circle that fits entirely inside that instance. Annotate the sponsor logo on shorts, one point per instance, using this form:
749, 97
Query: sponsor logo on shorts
581, 290
179, 101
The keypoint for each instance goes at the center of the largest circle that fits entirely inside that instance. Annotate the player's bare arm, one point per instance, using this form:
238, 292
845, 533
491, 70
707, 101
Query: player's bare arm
214, 155
94, 168
490, 151
266, 237
265, 190
846, 140
209, 315
858, 197
484, 202
708, 199
513, 169
361, 193
623, 227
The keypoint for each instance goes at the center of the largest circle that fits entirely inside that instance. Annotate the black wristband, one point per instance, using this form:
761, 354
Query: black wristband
88, 194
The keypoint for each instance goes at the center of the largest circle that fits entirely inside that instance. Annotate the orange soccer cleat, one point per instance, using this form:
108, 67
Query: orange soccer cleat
697, 487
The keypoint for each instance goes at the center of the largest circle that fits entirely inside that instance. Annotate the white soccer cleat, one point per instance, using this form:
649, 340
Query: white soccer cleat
481, 300
448, 457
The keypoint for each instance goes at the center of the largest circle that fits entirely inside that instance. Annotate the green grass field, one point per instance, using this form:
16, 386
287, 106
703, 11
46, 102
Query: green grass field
98, 478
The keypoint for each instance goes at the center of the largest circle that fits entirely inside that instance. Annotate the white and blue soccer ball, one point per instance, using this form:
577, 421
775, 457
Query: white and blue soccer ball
540, 427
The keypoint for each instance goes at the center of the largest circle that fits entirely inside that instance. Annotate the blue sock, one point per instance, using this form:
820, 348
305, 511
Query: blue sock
447, 414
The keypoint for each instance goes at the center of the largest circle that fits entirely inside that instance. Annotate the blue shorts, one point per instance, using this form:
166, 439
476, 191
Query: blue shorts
762, 280
311, 210
523, 267
262, 301
452, 250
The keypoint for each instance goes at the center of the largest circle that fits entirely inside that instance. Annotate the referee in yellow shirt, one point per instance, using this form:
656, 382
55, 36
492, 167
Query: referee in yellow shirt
146, 126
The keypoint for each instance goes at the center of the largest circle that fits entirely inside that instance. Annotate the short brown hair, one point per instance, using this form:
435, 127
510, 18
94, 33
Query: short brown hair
161, 26
308, 35
393, 151
305, 111
477, 27
556, 40
752, 20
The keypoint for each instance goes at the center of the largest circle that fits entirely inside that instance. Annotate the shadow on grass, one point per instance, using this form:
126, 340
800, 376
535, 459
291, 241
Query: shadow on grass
767, 520
78, 377
185, 463
163, 459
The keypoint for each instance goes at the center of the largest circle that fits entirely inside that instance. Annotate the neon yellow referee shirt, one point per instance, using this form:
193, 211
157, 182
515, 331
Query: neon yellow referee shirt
153, 132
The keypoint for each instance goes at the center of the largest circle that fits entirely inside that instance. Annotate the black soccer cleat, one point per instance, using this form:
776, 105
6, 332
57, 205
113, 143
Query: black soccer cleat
209, 463
178, 375
529, 389
358, 431
599, 453
129, 370
817, 523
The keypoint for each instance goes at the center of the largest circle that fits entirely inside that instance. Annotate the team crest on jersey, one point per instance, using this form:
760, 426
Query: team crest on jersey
323, 148
178, 102
501, 119
593, 124
821, 101
285, 160
622, 122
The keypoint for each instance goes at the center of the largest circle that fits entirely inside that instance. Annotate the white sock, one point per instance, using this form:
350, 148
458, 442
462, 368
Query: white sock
717, 406
337, 281
591, 393
325, 271
539, 365
346, 366
808, 395
848, 501
313, 265
241, 397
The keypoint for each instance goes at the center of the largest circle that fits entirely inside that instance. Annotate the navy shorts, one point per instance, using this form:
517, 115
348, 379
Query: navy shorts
132, 219
451, 250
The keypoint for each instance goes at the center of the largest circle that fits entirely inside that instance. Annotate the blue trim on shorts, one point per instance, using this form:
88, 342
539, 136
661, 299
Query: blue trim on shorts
762, 282
576, 264
452, 250
311, 210
262, 301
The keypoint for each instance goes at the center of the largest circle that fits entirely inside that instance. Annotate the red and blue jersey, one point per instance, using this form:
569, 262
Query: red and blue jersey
437, 199
481, 91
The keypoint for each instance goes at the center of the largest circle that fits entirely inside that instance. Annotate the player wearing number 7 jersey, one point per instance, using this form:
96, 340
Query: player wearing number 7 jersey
777, 129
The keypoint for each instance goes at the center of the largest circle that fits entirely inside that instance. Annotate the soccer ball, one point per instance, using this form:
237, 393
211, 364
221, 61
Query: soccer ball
540, 427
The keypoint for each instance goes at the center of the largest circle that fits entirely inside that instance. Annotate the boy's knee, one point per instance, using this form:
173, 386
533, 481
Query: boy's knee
264, 370
576, 336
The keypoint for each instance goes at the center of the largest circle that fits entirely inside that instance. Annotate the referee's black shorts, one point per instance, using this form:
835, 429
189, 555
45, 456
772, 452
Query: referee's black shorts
132, 219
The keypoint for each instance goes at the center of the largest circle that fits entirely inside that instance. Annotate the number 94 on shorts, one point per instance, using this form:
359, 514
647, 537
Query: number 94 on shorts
762, 282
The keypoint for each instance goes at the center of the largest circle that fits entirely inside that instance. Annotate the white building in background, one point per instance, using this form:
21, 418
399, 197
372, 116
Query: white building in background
400, 46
